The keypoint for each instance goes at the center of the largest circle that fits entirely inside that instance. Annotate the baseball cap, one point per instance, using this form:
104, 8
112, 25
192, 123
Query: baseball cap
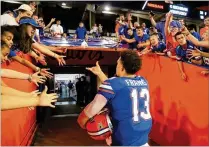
175, 23
25, 7
29, 21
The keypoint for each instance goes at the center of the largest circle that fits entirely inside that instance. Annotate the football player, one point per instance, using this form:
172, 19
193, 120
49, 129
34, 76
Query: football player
127, 98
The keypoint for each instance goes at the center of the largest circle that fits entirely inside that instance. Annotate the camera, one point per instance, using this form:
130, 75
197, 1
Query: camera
151, 13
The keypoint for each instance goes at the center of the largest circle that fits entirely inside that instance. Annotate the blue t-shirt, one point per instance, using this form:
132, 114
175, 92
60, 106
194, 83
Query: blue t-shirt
159, 48
131, 45
12, 54
142, 39
123, 30
128, 102
81, 33
160, 27
196, 35
181, 52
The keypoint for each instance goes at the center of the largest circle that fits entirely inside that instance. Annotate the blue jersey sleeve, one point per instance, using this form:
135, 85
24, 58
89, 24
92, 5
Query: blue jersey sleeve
12, 54
107, 90
178, 53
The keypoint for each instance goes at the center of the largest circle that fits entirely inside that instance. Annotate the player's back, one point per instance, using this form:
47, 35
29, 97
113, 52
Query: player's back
129, 109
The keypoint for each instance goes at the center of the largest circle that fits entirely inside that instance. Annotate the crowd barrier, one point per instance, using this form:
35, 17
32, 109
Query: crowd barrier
18, 125
179, 108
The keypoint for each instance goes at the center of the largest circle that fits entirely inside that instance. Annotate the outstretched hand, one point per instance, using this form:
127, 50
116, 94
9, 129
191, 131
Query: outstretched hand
47, 99
95, 69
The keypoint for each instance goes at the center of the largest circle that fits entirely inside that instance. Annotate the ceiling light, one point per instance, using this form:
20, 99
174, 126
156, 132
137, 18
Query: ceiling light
63, 4
108, 12
14, 2
107, 8
144, 5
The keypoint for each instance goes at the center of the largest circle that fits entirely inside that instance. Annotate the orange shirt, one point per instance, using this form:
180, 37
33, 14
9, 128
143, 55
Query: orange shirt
171, 44
203, 30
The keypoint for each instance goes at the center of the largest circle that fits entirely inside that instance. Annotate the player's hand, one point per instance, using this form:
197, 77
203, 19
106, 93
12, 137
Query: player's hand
35, 78
60, 60
205, 72
95, 69
183, 76
109, 141
44, 72
47, 99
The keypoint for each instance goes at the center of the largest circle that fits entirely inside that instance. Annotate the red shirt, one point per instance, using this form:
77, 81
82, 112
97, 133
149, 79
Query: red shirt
203, 30
171, 44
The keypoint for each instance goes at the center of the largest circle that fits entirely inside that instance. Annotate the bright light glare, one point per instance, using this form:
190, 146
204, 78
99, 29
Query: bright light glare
107, 8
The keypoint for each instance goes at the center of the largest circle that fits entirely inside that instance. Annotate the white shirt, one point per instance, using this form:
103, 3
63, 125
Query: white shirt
95, 29
7, 19
57, 29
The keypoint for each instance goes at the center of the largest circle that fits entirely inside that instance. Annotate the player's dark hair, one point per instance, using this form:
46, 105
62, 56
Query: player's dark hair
177, 34
131, 61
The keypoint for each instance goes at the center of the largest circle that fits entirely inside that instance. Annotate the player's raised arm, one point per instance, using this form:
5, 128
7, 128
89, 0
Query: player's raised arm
98, 71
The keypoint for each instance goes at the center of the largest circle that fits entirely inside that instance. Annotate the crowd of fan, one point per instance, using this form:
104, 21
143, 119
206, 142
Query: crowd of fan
21, 30
168, 37
17, 38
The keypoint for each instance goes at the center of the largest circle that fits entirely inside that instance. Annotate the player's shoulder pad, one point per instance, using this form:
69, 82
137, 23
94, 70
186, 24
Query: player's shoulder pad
113, 82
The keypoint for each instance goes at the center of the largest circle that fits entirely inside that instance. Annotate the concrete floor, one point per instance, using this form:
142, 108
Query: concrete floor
64, 131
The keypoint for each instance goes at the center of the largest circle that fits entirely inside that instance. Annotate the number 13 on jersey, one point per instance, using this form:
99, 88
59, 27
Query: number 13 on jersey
136, 96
